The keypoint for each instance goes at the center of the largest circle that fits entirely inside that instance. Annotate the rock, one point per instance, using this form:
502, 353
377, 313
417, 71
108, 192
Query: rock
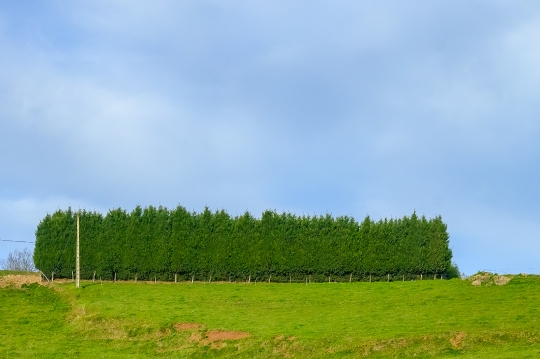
501, 279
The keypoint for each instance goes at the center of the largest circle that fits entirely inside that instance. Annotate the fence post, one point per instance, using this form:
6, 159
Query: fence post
44, 276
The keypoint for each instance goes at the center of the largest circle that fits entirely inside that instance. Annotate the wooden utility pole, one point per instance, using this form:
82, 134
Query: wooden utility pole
78, 263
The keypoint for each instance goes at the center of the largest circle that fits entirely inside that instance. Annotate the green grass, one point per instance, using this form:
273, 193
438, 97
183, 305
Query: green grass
344, 320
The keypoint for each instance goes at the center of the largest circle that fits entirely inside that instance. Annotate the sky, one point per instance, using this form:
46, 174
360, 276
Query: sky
355, 108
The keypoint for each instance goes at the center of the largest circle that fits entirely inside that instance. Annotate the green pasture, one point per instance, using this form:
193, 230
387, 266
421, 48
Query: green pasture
420, 319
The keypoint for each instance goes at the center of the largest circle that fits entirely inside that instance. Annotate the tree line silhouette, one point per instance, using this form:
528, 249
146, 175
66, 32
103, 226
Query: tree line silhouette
162, 244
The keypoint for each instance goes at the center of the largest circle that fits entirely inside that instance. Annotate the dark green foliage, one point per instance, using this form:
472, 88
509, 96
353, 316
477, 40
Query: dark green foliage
453, 271
157, 243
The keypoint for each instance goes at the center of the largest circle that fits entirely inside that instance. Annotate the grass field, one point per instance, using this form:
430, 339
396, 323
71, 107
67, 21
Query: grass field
421, 319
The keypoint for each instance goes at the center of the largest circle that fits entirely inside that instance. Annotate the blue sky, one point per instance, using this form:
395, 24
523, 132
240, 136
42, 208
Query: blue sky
350, 108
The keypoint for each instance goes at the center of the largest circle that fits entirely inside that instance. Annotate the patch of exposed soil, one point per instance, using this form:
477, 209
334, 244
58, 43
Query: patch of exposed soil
187, 326
216, 335
17, 280
214, 338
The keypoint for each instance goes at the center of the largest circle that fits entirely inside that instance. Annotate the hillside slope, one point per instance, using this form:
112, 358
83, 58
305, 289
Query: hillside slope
426, 319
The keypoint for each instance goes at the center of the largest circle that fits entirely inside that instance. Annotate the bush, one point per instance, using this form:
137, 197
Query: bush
453, 271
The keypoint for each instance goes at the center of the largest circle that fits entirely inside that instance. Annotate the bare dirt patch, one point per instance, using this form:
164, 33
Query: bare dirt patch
214, 338
187, 326
17, 280
216, 335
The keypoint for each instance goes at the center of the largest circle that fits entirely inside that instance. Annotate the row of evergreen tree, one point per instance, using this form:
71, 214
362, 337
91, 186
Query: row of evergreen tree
157, 243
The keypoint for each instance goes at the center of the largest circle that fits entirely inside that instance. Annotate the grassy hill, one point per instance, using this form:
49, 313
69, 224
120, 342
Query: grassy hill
421, 319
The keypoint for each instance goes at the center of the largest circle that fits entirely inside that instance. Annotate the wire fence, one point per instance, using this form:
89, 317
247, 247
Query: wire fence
522, 270
10, 240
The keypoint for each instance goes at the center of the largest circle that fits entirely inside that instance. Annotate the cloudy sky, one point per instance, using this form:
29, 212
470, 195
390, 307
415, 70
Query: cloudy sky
351, 108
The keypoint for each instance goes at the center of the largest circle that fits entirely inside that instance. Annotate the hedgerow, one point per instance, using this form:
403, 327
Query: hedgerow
157, 243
